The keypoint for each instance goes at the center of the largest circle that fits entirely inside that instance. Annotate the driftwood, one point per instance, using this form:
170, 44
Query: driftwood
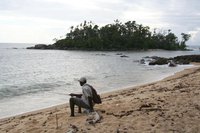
72, 129
93, 118
56, 121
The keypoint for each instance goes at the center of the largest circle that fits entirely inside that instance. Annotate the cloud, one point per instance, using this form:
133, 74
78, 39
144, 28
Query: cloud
52, 18
195, 37
30, 29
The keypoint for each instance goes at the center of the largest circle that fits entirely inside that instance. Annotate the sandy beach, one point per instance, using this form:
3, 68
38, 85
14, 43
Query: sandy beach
170, 105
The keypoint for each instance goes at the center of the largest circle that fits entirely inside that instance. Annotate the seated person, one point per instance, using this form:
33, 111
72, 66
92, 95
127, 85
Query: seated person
83, 100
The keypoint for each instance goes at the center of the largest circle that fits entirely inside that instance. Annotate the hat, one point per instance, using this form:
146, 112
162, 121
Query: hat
82, 79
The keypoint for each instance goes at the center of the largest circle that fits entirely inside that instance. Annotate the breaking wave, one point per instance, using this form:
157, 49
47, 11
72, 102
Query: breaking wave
13, 91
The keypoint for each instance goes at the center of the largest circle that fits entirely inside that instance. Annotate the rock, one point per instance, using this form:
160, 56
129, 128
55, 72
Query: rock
41, 46
172, 64
155, 57
142, 61
181, 60
124, 56
38, 46
185, 59
153, 62
146, 57
159, 61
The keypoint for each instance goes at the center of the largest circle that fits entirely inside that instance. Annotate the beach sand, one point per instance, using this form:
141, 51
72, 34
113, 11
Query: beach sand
169, 105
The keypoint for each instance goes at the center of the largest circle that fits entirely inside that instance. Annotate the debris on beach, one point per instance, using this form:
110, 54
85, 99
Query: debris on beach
72, 129
93, 118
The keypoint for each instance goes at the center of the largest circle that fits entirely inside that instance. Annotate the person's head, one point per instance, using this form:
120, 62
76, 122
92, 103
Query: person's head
82, 81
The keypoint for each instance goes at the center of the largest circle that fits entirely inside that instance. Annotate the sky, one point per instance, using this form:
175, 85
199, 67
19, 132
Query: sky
40, 21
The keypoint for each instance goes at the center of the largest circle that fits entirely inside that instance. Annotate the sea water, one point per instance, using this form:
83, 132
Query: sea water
36, 79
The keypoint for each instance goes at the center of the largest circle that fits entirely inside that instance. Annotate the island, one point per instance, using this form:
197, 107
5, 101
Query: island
117, 36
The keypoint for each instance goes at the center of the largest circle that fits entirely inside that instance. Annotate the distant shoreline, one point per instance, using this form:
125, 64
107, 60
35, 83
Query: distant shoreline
52, 47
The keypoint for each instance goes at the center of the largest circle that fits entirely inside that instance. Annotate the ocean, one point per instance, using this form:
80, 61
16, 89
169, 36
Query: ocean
36, 79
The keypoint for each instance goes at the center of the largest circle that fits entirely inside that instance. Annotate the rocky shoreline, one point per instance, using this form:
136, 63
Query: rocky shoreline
180, 60
154, 60
41, 46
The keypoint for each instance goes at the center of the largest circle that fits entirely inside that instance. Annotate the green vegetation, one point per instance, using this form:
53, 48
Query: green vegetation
119, 36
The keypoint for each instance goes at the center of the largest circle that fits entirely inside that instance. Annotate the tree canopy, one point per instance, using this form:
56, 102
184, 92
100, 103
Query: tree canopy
120, 36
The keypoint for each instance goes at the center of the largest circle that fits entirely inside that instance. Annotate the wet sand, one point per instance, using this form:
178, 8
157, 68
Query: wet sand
169, 105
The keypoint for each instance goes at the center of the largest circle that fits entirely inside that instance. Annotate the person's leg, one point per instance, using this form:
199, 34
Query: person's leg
79, 109
78, 102
71, 102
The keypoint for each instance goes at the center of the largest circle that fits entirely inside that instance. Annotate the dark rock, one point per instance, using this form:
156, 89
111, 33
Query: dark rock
41, 46
186, 59
124, 56
181, 60
38, 46
153, 62
142, 61
147, 57
155, 57
159, 61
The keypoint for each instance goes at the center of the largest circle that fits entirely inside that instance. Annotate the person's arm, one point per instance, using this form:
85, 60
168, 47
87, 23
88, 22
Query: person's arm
90, 103
76, 95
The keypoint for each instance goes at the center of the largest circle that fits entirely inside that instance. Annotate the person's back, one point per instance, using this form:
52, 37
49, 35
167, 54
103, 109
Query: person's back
95, 97
87, 92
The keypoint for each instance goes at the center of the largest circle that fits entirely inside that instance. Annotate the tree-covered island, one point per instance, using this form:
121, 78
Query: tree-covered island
117, 36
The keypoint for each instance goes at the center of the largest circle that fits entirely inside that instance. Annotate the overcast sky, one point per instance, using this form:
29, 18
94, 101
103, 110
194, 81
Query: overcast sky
40, 21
